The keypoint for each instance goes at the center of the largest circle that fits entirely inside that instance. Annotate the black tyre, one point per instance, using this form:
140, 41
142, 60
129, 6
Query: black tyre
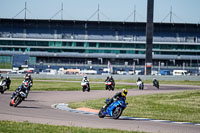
10, 104
83, 89
18, 100
109, 88
100, 114
2, 92
117, 112
113, 89
140, 87
106, 87
158, 87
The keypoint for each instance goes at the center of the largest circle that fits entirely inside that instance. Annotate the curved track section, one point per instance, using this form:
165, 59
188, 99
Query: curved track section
37, 109
63, 106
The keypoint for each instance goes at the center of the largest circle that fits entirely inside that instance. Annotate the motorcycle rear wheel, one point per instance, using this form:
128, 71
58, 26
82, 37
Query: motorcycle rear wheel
113, 89
117, 112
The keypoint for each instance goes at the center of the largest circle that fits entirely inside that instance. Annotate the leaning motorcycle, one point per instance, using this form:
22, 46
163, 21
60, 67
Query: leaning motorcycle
156, 84
2, 86
140, 85
18, 97
109, 85
85, 86
114, 110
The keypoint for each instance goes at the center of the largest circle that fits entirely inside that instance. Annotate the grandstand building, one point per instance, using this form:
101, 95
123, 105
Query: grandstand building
80, 43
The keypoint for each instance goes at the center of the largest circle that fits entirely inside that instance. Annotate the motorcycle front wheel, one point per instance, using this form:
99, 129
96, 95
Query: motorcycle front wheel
18, 100
117, 112
100, 114
83, 89
158, 87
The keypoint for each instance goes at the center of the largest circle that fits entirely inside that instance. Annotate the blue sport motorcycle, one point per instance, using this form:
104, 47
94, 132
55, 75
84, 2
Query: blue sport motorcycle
114, 110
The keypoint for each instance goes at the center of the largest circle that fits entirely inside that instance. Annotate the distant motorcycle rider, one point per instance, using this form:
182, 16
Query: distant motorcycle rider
23, 87
140, 84
113, 81
7, 81
139, 79
155, 82
28, 76
85, 79
110, 79
30, 81
26, 84
118, 95
107, 79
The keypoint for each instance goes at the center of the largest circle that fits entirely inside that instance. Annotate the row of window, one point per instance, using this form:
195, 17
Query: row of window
99, 51
77, 47
98, 45
5, 59
73, 50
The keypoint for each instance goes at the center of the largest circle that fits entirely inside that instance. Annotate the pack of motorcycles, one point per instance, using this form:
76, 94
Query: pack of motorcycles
19, 95
114, 110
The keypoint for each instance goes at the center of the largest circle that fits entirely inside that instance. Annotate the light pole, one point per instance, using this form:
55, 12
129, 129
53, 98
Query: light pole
149, 37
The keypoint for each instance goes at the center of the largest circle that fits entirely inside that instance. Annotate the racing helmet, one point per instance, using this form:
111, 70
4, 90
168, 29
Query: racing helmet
26, 78
124, 92
7, 78
25, 84
29, 76
85, 77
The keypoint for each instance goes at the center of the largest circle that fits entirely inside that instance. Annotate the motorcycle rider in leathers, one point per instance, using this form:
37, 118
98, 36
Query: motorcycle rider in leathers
30, 80
8, 82
85, 79
118, 95
24, 87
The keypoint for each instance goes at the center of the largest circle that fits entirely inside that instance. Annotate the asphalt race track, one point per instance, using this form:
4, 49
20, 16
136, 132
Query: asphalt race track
37, 109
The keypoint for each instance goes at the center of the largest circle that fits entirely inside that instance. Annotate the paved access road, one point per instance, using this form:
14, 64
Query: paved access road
37, 109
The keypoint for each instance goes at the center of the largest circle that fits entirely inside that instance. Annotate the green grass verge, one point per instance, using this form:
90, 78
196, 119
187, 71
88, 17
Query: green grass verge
59, 85
5, 66
64, 86
180, 106
26, 127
